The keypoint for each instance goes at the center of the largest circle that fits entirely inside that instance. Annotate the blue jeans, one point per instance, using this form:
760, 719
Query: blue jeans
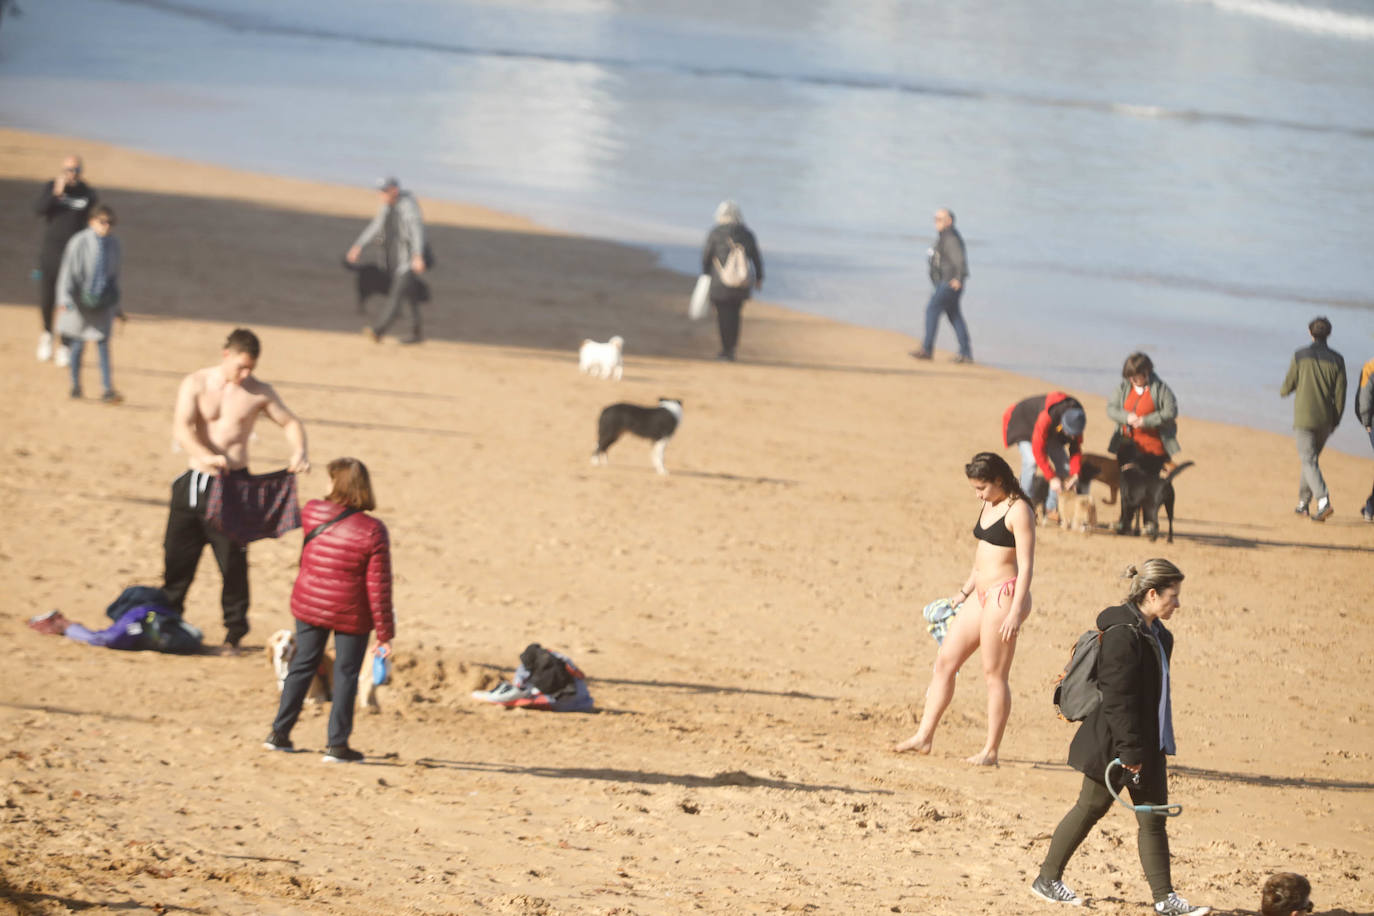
1059, 459
349, 651
945, 301
75, 346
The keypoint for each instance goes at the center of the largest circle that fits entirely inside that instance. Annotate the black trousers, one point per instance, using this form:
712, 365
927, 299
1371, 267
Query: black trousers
48, 266
187, 534
349, 651
727, 319
402, 289
1152, 839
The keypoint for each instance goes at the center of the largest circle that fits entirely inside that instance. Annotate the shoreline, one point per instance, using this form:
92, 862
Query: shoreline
359, 202
749, 624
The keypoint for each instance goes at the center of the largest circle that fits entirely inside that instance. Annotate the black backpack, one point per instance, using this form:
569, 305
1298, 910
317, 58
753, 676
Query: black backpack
547, 671
163, 629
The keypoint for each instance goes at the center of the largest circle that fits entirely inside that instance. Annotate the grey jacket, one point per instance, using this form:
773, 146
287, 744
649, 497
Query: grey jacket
948, 259
1163, 418
78, 316
408, 238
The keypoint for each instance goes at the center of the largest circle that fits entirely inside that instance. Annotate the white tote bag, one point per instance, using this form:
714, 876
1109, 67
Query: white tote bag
698, 307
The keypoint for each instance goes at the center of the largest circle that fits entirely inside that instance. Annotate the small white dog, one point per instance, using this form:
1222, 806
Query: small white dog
281, 649
602, 360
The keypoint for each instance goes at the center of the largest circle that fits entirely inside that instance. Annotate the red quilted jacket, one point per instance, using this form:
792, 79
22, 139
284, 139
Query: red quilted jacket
345, 578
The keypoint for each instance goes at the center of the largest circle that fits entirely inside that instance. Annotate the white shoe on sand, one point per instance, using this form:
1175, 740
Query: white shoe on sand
61, 356
45, 346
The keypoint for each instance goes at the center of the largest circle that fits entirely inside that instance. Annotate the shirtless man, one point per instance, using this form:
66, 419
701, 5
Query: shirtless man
215, 412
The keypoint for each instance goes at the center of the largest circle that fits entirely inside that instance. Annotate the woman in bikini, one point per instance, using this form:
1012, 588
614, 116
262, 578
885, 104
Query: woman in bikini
993, 603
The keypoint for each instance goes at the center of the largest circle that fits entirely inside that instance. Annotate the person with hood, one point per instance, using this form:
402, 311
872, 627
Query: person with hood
1147, 412
1133, 724
88, 298
731, 258
401, 228
1048, 429
1317, 374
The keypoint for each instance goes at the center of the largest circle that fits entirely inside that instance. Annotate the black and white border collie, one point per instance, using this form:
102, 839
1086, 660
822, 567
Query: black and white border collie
656, 423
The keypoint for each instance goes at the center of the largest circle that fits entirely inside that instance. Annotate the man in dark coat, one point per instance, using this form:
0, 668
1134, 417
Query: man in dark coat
948, 271
65, 204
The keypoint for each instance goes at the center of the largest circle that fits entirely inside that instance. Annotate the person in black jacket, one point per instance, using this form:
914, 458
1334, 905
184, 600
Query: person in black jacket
948, 271
1134, 723
66, 204
729, 293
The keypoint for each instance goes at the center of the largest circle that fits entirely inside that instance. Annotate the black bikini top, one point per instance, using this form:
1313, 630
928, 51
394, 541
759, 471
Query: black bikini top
996, 534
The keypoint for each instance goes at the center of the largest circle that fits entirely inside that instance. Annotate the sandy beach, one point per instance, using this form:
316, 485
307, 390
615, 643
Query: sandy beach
750, 624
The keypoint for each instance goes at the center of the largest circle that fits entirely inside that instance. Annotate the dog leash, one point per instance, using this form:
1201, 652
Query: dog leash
1161, 810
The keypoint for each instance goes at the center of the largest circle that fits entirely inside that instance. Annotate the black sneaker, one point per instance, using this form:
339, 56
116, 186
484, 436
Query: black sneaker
276, 742
1054, 891
341, 754
76, 391
1300, 509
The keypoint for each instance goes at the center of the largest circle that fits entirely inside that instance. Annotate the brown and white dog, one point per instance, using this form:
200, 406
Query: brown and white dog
281, 649
1077, 511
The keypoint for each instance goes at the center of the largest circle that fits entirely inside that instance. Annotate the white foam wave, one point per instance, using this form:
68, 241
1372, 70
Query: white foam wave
1304, 18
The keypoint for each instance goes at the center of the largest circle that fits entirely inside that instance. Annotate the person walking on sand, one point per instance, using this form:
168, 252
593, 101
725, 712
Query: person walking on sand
401, 228
1317, 374
216, 410
1147, 411
344, 588
1134, 724
1000, 580
1364, 411
65, 204
948, 272
88, 298
731, 258
1048, 430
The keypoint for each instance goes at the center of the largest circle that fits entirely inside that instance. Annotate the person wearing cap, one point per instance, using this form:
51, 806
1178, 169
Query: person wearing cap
1286, 894
1048, 429
1317, 375
401, 229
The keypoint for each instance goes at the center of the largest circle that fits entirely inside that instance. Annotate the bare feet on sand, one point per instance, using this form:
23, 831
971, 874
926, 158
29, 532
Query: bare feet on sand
914, 743
983, 759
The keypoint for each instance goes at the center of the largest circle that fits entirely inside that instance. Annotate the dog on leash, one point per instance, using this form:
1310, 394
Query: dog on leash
281, 649
602, 360
1142, 495
370, 280
654, 423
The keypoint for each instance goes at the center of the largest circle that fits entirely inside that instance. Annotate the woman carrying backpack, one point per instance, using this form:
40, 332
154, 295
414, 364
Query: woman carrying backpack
1000, 580
344, 588
1133, 723
731, 258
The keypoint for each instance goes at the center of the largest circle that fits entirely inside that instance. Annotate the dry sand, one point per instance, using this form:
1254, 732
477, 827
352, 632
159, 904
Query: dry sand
750, 623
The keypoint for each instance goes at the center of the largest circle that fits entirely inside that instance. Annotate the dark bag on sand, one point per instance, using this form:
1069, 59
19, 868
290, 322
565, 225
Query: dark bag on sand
133, 596
163, 628
547, 671
1076, 693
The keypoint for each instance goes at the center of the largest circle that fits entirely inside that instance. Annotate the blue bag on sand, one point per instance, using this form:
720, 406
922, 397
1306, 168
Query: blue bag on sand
937, 615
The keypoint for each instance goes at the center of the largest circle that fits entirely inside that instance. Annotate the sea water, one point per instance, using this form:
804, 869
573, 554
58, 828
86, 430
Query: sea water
1194, 178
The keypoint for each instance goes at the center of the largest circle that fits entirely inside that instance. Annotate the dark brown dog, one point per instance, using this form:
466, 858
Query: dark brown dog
1104, 470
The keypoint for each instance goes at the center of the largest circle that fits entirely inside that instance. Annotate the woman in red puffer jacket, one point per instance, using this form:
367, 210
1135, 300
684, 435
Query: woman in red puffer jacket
344, 588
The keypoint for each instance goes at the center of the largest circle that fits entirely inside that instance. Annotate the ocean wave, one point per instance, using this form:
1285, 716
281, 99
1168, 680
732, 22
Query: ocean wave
1316, 20
240, 22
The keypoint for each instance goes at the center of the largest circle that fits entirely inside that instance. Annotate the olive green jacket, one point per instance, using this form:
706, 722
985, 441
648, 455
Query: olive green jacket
1317, 374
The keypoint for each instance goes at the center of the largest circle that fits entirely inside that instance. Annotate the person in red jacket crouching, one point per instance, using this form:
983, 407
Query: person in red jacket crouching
343, 587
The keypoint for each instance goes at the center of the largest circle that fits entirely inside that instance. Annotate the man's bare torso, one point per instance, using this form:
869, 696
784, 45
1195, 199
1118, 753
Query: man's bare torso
225, 412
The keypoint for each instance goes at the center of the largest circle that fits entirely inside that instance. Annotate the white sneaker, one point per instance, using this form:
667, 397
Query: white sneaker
1174, 905
61, 356
44, 346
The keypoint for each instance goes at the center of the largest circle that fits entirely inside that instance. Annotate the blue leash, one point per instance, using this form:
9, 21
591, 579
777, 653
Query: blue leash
1161, 810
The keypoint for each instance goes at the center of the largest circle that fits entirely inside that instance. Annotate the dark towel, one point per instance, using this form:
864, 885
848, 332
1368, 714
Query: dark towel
248, 507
